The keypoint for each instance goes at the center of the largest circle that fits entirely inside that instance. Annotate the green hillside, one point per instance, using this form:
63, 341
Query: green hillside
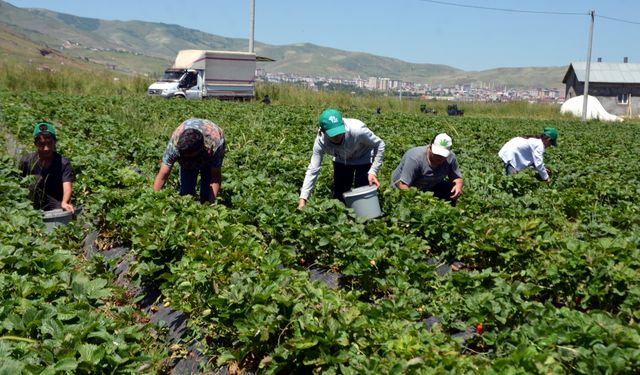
17, 49
147, 48
316, 60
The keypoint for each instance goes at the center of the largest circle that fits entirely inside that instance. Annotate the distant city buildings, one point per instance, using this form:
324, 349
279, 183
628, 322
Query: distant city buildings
467, 92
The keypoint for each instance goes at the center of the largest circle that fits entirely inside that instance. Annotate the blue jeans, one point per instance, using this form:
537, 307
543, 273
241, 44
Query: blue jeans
188, 178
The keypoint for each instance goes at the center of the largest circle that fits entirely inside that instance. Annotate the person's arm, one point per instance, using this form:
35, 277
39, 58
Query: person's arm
455, 176
24, 166
538, 161
67, 177
407, 173
161, 177
66, 197
377, 144
169, 157
216, 171
373, 180
216, 183
301, 203
311, 176
456, 190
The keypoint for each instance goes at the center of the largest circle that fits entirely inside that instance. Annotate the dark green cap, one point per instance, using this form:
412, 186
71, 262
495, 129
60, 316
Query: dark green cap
331, 122
44, 128
551, 133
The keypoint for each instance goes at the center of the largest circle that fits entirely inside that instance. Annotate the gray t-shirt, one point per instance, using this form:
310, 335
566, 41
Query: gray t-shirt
414, 170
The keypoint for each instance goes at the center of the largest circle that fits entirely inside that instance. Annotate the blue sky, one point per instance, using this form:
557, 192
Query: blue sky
418, 31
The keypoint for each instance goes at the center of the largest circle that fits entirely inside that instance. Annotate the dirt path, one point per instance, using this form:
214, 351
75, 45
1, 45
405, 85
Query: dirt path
10, 144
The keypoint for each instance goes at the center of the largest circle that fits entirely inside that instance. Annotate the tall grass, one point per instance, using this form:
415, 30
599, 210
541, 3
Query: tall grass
291, 94
15, 77
69, 80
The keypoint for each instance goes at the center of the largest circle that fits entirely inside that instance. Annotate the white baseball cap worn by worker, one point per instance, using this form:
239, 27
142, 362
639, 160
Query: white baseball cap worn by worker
441, 145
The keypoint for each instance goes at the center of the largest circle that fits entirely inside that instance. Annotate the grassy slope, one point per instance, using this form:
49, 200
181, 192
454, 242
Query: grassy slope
27, 65
18, 49
311, 59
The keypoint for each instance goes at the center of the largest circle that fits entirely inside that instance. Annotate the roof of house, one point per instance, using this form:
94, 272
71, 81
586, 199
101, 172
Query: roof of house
605, 72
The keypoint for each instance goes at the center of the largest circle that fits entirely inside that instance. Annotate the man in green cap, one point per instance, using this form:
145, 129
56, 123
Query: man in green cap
357, 155
528, 151
52, 187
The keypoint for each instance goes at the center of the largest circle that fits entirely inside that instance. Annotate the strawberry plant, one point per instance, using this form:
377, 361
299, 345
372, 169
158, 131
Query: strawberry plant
545, 277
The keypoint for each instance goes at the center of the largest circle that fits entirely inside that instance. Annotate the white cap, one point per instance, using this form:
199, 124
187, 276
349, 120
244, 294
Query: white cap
442, 145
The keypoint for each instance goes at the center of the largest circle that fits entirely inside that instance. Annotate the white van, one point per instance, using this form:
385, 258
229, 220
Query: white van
198, 74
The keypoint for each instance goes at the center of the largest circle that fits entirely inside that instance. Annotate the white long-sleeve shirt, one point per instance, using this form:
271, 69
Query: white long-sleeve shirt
521, 153
360, 146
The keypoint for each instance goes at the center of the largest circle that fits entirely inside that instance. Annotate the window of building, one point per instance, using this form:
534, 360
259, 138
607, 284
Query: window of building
623, 98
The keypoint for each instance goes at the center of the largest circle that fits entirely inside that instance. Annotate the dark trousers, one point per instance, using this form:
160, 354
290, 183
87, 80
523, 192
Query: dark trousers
347, 176
188, 178
442, 190
46, 202
509, 170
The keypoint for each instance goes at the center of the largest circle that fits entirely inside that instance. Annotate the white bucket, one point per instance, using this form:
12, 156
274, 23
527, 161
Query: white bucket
56, 217
364, 201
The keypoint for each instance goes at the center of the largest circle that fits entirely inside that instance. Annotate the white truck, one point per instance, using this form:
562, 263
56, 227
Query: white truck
198, 74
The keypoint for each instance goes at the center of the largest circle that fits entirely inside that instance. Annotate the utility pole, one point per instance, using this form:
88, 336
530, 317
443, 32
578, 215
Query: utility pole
252, 21
588, 69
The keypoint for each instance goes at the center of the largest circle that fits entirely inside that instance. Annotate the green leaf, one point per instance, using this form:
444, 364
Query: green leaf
225, 358
91, 353
301, 343
102, 335
83, 288
67, 364
52, 327
11, 367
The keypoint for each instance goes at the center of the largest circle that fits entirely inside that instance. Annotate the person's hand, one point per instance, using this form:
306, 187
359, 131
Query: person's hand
67, 207
301, 203
373, 180
456, 191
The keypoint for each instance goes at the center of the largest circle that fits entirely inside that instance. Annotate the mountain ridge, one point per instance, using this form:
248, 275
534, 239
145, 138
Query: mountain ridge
140, 47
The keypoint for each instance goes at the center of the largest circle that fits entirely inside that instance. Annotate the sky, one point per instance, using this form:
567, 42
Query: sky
460, 33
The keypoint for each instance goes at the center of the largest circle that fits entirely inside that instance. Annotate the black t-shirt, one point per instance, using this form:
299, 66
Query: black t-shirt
46, 191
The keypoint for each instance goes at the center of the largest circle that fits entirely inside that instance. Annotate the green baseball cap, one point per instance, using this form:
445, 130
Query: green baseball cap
551, 133
44, 128
331, 122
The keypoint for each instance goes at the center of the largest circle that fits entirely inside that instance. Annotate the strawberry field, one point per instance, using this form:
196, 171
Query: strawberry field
520, 277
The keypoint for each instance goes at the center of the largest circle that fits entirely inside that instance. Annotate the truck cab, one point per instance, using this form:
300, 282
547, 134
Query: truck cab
190, 85
181, 83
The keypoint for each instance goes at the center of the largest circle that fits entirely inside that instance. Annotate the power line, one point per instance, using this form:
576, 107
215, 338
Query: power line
505, 9
618, 19
527, 11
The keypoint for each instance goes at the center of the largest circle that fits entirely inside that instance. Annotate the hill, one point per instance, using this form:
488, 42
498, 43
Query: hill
18, 48
147, 48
